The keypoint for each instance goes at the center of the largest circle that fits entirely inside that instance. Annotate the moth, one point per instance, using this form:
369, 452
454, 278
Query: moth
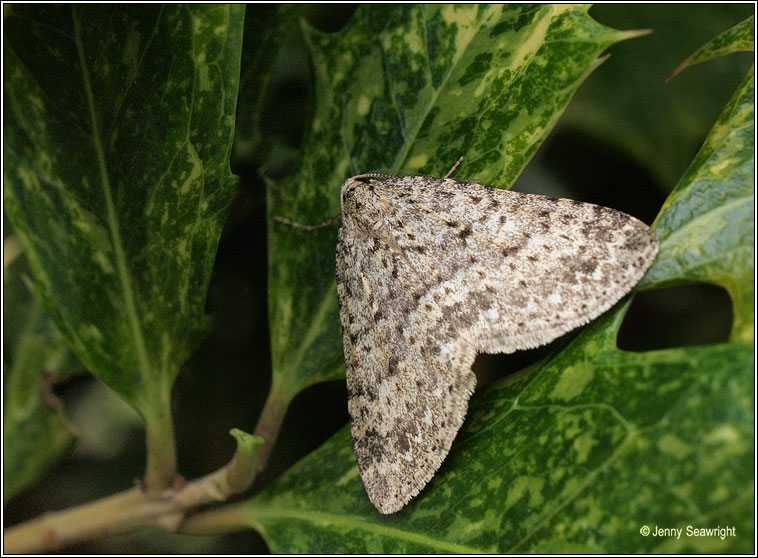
431, 271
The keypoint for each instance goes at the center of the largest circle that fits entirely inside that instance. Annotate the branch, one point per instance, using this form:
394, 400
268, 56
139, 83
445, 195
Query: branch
270, 421
160, 468
134, 508
216, 521
119, 513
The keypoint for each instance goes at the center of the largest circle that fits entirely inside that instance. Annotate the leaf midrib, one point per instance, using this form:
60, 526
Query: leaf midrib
411, 138
383, 530
112, 220
296, 362
700, 221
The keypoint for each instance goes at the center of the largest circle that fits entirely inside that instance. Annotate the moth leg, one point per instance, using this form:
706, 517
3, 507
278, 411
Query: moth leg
306, 227
455, 166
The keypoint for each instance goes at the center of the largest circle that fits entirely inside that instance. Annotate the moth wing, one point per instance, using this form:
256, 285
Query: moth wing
430, 271
517, 270
406, 399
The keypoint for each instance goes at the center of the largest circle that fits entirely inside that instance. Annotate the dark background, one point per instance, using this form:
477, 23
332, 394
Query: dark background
599, 152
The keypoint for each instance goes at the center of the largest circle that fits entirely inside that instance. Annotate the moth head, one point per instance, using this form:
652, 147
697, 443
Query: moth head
363, 205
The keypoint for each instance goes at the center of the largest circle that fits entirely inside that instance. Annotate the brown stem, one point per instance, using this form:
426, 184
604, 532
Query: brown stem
160, 468
115, 514
270, 421
167, 509
216, 521
128, 510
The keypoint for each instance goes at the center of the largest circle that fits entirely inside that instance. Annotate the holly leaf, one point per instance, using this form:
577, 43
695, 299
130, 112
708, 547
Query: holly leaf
118, 132
738, 38
411, 88
707, 223
267, 28
35, 434
594, 449
629, 108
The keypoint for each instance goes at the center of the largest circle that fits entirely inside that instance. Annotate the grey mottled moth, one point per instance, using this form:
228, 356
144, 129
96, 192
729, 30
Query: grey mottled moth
431, 271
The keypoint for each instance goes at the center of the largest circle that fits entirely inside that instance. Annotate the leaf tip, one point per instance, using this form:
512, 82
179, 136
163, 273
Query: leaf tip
249, 441
634, 34
686, 63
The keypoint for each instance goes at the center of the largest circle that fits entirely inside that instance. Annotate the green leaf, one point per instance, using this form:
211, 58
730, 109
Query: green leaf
244, 466
118, 132
267, 27
581, 451
35, 436
247, 444
707, 224
627, 105
411, 88
734, 39
575, 455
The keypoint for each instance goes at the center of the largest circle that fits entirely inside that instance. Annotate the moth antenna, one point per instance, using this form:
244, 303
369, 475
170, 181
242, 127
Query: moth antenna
306, 227
455, 166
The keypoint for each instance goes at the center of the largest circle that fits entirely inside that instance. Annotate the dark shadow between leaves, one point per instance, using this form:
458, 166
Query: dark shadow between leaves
682, 316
